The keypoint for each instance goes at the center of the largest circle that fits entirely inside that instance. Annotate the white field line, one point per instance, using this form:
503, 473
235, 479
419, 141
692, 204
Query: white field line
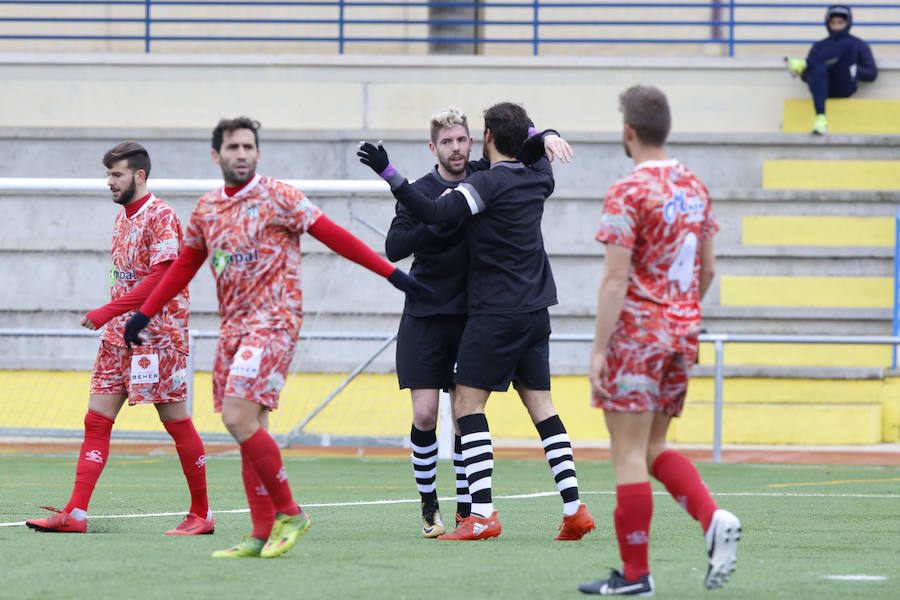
504, 497
856, 577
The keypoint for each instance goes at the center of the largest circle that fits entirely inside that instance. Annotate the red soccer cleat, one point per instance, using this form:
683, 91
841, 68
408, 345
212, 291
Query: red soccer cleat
573, 527
61, 522
474, 527
194, 525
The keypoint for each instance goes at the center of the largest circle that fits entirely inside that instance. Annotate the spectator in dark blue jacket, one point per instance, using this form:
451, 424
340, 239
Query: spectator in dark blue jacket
834, 65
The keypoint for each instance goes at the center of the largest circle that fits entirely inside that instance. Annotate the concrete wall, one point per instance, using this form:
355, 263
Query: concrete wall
328, 93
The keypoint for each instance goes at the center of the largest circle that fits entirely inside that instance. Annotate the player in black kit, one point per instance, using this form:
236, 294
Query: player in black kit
509, 287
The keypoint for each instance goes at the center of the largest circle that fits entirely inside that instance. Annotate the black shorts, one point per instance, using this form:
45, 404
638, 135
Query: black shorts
498, 349
426, 350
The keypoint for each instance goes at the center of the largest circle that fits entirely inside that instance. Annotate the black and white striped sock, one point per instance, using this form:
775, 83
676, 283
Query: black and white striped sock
478, 452
463, 498
424, 461
558, 449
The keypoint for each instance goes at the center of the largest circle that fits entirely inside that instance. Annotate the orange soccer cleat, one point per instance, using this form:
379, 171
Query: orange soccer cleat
61, 522
474, 527
194, 525
573, 527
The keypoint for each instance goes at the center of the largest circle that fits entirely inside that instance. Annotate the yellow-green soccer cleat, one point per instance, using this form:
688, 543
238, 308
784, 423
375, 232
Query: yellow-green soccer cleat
249, 547
285, 532
795, 65
820, 125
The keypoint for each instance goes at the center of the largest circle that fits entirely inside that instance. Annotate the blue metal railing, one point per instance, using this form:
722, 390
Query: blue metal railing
538, 23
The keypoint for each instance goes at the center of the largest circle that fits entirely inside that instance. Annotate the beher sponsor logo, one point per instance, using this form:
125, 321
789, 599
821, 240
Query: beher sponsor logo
94, 456
692, 206
119, 275
144, 362
637, 538
221, 259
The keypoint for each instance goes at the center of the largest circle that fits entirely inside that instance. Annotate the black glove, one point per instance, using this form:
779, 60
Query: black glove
376, 158
133, 327
408, 284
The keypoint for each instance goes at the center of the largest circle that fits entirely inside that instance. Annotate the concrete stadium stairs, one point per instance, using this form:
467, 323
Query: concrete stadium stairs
790, 261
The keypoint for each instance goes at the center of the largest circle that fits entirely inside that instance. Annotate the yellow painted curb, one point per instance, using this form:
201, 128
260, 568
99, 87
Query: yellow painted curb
817, 231
804, 355
862, 292
831, 174
845, 115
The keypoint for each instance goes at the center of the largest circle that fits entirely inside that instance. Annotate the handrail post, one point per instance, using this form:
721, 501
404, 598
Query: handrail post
896, 324
537, 6
147, 4
192, 350
717, 420
340, 26
731, 28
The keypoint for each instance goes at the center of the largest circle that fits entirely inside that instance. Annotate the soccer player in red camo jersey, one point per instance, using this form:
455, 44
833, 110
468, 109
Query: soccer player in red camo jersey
250, 230
146, 240
658, 226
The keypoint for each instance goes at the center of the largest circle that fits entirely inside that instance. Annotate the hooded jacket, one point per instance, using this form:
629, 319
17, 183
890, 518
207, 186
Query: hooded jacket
833, 48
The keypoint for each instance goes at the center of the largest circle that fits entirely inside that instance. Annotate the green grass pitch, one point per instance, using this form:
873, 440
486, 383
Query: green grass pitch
802, 527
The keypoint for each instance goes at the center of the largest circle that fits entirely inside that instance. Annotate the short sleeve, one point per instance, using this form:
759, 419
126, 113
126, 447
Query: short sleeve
618, 224
194, 236
710, 226
298, 213
165, 238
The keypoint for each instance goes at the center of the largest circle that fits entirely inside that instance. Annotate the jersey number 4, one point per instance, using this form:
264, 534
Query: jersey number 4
682, 269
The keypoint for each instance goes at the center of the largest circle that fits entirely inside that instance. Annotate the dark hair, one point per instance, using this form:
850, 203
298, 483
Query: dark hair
647, 111
231, 125
136, 155
509, 124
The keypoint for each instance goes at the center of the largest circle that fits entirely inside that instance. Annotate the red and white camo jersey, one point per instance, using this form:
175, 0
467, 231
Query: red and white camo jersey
253, 243
661, 211
152, 236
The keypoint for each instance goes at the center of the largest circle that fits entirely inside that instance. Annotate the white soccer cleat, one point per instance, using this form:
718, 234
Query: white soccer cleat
721, 546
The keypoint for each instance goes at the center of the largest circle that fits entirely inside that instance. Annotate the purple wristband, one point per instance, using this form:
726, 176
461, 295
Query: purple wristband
389, 171
532, 130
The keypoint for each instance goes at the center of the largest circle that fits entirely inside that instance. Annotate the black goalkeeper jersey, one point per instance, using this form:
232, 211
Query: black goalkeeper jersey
502, 207
441, 255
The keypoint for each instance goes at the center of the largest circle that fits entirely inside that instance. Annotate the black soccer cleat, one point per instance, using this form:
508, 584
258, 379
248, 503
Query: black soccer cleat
617, 585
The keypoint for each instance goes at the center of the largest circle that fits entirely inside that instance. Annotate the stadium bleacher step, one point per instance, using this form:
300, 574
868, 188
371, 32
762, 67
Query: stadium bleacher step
833, 174
798, 230
845, 115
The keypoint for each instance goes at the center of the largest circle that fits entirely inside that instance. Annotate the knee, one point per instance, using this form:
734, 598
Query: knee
425, 417
238, 426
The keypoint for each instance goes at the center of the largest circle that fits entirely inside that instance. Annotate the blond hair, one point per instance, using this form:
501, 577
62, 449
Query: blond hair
447, 117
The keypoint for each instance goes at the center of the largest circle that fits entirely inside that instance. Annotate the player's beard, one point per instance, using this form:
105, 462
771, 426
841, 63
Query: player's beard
127, 194
232, 179
448, 166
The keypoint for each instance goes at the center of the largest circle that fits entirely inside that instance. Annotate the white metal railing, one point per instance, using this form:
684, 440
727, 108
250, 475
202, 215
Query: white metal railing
718, 339
95, 184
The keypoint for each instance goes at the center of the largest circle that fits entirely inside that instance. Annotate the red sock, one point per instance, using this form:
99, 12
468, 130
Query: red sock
683, 481
262, 510
634, 509
264, 455
91, 459
193, 461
